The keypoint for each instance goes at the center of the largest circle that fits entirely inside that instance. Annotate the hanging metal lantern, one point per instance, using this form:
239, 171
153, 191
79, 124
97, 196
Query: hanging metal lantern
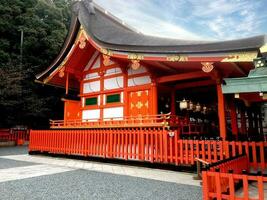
198, 107
191, 105
183, 104
205, 109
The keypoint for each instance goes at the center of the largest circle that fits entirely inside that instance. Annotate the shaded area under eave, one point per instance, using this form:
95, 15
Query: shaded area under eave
255, 82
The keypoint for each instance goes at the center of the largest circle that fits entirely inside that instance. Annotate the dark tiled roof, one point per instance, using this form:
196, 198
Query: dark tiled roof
111, 33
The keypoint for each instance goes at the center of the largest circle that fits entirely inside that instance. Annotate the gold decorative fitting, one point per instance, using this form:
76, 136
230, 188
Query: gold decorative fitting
61, 72
207, 67
82, 41
135, 56
106, 59
139, 105
135, 64
106, 52
177, 58
241, 57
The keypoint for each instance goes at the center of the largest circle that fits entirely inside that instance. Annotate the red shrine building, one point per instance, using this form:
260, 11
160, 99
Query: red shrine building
133, 96
119, 73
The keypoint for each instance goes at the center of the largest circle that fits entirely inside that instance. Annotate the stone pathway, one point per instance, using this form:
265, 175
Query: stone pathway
24, 176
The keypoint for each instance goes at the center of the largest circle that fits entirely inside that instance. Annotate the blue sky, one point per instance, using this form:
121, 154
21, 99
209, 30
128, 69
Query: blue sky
192, 19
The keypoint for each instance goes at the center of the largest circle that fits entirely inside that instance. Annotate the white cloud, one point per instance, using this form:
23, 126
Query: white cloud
153, 22
191, 19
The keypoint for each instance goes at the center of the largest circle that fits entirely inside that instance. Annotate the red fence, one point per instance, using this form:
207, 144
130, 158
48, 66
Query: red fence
16, 135
145, 144
225, 180
212, 151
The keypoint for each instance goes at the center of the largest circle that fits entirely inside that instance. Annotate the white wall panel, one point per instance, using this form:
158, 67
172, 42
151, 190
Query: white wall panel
91, 76
96, 64
91, 60
139, 81
113, 112
91, 115
91, 87
116, 70
113, 83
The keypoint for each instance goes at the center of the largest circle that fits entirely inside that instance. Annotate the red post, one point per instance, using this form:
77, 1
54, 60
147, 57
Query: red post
233, 118
67, 83
221, 112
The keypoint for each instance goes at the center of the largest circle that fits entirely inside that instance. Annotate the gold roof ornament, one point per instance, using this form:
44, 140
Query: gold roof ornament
241, 57
61, 72
106, 59
134, 56
177, 58
106, 52
207, 67
135, 64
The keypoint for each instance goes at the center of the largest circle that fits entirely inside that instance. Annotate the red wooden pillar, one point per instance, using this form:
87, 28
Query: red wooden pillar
221, 112
67, 83
154, 98
233, 118
173, 108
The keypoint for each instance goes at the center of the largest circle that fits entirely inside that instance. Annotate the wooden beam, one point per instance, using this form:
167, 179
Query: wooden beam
164, 67
183, 76
239, 69
194, 84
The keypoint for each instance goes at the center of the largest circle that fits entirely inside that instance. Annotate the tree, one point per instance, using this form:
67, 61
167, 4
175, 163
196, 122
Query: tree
44, 24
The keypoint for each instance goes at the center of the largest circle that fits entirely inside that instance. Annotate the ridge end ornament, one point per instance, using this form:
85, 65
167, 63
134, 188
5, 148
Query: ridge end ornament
207, 67
61, 72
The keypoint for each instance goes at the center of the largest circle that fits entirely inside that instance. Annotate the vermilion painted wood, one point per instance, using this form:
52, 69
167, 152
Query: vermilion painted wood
216, 184
14, 135
144, 144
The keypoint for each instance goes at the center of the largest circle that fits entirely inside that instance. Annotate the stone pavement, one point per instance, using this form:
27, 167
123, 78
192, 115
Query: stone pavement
24, 176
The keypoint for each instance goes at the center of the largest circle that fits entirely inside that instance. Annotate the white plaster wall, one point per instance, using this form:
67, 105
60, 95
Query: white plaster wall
113, 83
91, 87
91, 60
139, 81
116, 70
96, 64
91, 115
113, 112
91, 76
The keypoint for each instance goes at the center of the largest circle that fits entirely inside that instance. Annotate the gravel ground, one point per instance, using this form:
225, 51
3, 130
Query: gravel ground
7, 163
83, 184
13, 150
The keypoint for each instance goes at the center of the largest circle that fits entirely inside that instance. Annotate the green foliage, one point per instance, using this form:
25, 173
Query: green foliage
44, 24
